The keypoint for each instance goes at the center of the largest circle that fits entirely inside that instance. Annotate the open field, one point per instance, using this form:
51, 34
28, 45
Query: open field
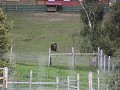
33, 33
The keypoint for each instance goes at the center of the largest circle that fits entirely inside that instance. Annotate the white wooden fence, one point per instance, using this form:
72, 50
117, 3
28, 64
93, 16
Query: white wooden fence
4, 78
72, 54
103, 61
58, 83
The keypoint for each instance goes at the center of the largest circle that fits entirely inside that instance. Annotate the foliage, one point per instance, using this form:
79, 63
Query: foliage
115, 13
4, 35
45, 72
3, 63
5, 40
107, 36
115, 81
92, 17
112, 30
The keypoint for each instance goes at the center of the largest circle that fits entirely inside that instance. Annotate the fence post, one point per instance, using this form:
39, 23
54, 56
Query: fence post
108, 64
73, 57
101, 58
5, 78
78, 82
30, 79
57, 82
49, 58
107, 87
90, 80
68, 83
104, 63
98, 57
11, 51
98, 80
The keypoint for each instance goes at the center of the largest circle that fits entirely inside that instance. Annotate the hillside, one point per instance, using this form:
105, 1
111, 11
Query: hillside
33, 33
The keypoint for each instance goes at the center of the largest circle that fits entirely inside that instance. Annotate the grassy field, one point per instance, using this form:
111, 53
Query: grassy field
32, 36
33, 33
36, 31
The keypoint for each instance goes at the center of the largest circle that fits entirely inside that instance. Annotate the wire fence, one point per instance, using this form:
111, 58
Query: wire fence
90, 81
39, 63
98, 59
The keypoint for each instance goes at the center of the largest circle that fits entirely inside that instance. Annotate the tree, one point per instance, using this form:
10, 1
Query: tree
98, 34
92, 16
5, 40
111, 30
115, 81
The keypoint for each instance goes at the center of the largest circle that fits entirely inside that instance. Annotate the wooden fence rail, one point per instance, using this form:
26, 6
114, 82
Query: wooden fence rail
57, 83
68, 84
103, 61
72, 54
4, 78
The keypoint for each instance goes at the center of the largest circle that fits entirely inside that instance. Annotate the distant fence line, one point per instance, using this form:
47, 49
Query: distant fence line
103, 61
66, 83
40, 8
72, 54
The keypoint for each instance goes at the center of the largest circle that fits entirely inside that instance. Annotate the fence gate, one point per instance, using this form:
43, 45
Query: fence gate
3, 78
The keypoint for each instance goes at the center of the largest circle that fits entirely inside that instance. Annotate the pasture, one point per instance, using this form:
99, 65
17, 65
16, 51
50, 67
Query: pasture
32, 35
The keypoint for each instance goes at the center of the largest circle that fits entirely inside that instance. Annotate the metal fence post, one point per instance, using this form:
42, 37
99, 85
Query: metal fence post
104, 63
73, 57
57, 82
108, 64
98, 57
78, 82
68, 83
98, 80
90, 80
5, 78
30, 79
101, 58
11, 52
107, 88
49, 58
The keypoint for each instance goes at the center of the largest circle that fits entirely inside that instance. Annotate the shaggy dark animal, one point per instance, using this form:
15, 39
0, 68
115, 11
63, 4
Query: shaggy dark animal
54, 47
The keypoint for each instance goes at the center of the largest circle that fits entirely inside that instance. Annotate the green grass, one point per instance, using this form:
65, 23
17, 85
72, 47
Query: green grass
36, 31
49, 74
44, 72
32, 36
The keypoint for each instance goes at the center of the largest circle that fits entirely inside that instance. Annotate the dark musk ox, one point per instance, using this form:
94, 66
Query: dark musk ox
54, 47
